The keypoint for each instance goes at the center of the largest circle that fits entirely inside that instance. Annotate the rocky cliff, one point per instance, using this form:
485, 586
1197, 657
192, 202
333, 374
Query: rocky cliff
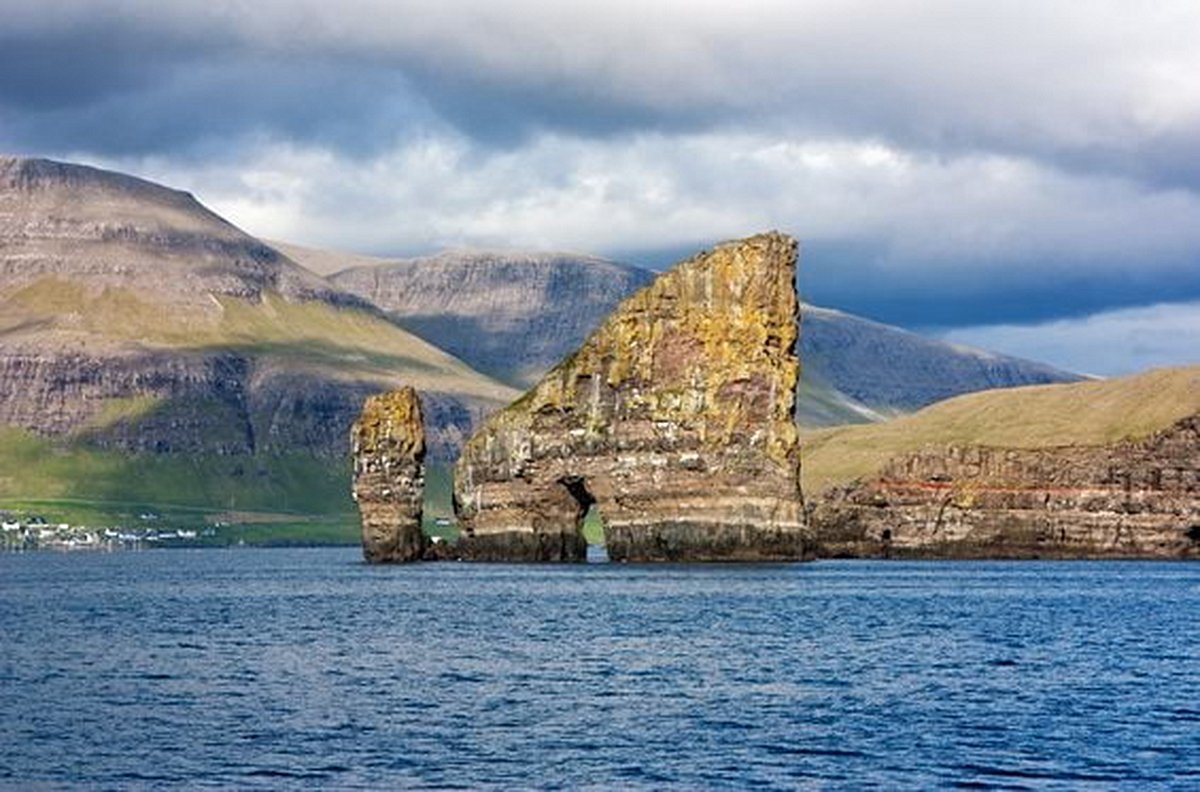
388, 444
1055, 490
674, 419
1128, 500
207, 402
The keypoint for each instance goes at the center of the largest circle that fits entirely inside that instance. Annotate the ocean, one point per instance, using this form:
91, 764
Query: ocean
306, 668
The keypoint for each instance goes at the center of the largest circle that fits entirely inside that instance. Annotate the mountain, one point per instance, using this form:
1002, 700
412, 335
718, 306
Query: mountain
515, 315
141, 335
880, 370
512, 315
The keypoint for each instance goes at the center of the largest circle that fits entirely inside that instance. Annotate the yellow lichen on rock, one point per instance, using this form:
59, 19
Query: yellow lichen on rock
388, 444
390, 419
675, 415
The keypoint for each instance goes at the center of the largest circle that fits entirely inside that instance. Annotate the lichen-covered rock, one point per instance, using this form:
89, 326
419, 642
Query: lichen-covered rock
674, 418
1130, 499
388, 443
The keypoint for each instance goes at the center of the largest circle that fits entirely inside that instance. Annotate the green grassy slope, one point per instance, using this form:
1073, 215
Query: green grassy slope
259, 500
351, 343
1085, 413
86, 486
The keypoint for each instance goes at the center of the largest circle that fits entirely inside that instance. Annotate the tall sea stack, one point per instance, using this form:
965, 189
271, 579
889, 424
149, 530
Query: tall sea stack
388, 442
674, 419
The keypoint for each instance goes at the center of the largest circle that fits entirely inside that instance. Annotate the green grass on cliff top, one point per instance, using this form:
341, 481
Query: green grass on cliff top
1084, 413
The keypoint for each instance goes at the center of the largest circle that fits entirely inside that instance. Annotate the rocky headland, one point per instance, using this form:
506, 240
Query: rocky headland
1056, 493
674, 419
388, 444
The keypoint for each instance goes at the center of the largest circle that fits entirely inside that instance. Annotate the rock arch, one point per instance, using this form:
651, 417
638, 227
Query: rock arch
675, 417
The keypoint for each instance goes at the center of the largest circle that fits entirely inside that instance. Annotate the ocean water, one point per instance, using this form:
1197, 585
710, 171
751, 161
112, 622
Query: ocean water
287, 668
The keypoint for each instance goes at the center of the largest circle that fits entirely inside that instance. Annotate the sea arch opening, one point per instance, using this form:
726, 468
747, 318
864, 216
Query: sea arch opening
589, 519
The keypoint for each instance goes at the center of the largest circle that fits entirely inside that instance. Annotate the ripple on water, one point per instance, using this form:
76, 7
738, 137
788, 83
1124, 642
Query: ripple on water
307, 668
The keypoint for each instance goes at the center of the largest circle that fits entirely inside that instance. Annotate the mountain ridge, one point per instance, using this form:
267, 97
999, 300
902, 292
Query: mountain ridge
496, 310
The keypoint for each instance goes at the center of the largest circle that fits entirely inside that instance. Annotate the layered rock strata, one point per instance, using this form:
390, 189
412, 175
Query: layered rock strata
388, 442
1131, 499
674, 419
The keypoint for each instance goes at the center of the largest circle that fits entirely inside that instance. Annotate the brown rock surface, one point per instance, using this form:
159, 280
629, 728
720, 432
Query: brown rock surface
674, 418
388, 442
1134, 498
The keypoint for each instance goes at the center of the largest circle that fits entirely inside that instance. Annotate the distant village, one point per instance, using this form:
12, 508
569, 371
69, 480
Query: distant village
19, 534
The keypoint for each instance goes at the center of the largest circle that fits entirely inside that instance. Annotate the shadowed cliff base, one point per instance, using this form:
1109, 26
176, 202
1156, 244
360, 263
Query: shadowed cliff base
674, 418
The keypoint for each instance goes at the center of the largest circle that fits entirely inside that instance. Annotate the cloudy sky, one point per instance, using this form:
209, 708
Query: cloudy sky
1024, 175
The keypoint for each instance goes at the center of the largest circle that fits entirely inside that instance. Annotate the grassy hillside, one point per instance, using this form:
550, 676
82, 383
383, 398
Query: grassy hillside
88, 486
348, 342
259, 500
155, 358
1085, 413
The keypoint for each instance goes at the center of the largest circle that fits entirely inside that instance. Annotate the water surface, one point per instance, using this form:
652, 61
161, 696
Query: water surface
305, 667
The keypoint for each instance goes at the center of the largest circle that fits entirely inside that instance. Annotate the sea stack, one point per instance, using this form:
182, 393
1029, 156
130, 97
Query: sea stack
388, 444
674, 419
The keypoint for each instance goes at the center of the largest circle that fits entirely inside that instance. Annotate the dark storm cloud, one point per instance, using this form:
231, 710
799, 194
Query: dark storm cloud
37, 75
121, 92
1103, 92
503, 115
946, 162
115, 89
1020, 292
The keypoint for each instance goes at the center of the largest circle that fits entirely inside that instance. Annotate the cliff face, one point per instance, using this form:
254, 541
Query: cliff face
388, 443
1127, 499
196, 402
674, 418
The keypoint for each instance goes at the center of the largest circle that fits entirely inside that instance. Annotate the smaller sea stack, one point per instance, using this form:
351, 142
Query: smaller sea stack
388, 444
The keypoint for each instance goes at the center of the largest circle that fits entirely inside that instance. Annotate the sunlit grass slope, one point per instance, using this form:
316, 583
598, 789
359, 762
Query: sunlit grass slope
347, 342
1085, 413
